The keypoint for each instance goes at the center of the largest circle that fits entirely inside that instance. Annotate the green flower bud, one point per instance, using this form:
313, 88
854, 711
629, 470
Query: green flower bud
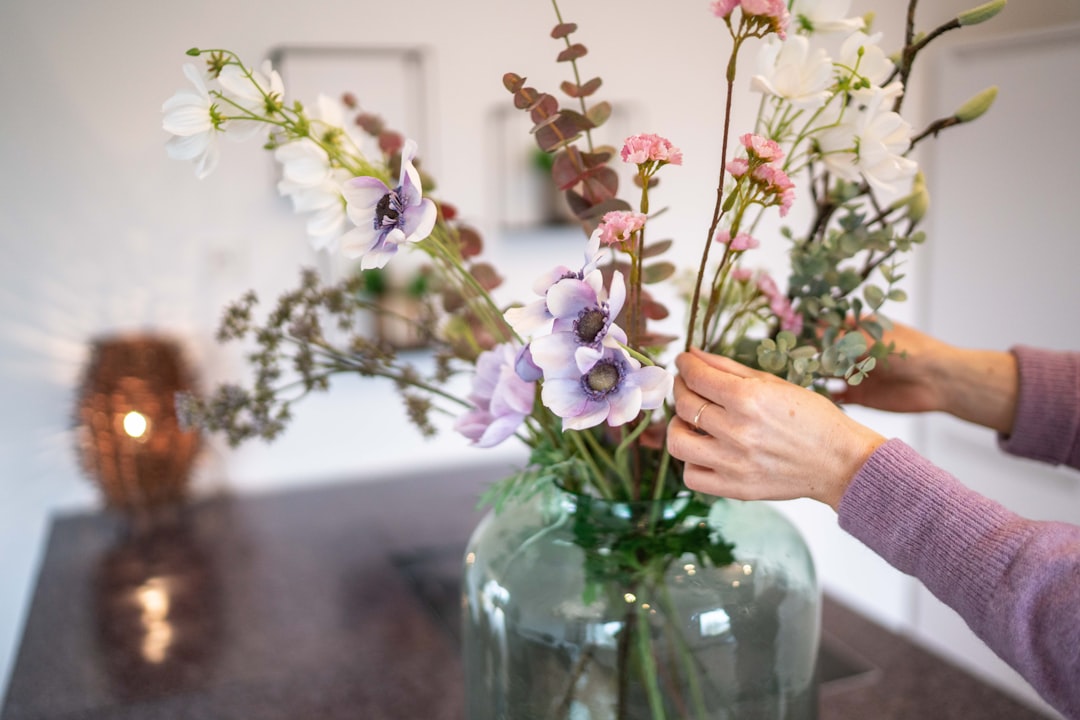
193, 52
974, 16
868, 21
917, 201
977, 105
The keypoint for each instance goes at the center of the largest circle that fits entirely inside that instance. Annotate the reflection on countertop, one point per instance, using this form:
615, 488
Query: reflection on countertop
338, 601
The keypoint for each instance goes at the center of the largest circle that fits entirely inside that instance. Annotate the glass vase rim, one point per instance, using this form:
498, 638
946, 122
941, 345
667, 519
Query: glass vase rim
598, 501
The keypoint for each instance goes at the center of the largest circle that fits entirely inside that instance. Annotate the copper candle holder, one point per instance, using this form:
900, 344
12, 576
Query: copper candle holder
129, 439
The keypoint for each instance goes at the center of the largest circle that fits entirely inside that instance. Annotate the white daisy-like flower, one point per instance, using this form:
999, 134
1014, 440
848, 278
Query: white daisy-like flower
195, 123
312, 183
870, 142
261, 94
791, 70
314, 187
825, 16
874, 65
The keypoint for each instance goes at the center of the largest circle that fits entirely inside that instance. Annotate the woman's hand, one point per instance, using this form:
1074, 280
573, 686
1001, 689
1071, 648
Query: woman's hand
758, 437
980, 386
912, 379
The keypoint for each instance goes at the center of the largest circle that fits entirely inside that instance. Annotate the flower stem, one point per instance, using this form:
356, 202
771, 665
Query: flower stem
648, 665
586, 456
718, 208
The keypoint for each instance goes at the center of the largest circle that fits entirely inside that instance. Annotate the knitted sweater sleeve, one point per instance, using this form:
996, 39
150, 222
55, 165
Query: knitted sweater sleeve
1047, 422
1016, 582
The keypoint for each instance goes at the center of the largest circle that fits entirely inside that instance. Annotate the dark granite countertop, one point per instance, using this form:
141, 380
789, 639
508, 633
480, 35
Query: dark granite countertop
338, 601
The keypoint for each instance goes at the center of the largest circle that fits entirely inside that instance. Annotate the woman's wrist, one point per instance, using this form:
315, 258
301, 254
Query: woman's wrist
860, 444
980, 386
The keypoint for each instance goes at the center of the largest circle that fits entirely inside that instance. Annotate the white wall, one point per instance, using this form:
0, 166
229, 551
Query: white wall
101, 232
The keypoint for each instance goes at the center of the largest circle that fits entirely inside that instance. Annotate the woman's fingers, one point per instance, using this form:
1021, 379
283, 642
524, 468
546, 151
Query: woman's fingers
697, 411
720, 362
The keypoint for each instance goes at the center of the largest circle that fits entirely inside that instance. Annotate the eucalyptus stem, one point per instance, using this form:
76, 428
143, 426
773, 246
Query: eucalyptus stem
648, 666
597, 475
682, 649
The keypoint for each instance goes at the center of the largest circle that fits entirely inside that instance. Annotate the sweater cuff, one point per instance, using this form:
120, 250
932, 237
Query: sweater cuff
1047, 422
924, 522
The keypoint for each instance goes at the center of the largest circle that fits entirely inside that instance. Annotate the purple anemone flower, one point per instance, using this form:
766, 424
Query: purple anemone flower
535, 318
386, 217
615, 389
501, 399
583, 325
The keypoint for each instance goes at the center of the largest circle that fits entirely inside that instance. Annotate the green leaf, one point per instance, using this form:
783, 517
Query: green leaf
872, 327
874, 295
830, 360
599, 113
897, 295
657, 272
656, 248
852, 345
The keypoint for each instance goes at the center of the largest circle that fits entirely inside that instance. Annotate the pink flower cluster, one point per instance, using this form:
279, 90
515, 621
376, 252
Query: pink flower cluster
618, 226
762, 147
646, 147
773, 12
780, 305
741, 241
773, 183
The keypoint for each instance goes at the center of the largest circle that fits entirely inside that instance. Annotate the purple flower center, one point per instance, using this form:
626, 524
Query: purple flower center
604, 378
590, 324
388, 210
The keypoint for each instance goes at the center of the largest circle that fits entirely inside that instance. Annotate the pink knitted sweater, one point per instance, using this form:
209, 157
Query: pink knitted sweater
1016, 582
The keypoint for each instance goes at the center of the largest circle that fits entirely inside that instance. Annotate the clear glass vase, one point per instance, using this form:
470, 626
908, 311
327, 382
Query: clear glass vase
554, 628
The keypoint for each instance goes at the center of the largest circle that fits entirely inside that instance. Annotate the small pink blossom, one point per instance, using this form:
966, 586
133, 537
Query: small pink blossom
738, 167
778, 184
780, 305
774, 178
762, 147
742, 241
774, 10
740, 274
787, 199
724, 8
618, 225
774, 13
647, 147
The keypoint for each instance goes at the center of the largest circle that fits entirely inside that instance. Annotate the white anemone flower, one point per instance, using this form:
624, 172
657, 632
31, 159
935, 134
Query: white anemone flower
874, 65
312, 183
314, 187
260, 94
194, 122
870, 142
825, 16
322, 199
791, 70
